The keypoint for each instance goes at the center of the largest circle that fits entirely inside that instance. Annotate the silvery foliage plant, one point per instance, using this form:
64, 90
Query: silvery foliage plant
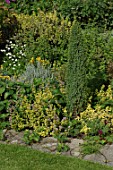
38, 71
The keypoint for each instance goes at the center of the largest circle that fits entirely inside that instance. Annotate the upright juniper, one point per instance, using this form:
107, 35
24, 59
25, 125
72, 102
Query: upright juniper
76, 78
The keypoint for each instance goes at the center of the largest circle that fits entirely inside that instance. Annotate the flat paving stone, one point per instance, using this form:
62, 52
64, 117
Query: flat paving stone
49, 144
104, 156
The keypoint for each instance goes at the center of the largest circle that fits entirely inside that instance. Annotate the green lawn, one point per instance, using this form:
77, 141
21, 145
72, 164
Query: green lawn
22, 158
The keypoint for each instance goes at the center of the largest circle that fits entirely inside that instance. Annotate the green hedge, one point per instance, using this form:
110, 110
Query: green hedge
99, 57
100, 12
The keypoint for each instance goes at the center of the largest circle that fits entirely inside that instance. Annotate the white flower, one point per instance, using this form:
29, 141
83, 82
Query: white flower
9, 64
19, 64
13, 68
16, 59
16, 45
7, 40
14, 65
9, 54
21, 52
10, 57
2, 50
12, 45
10, 42
8, 48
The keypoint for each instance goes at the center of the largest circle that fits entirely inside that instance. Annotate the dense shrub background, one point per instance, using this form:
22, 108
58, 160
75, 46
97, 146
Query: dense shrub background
45, 35
100, 12
99, 56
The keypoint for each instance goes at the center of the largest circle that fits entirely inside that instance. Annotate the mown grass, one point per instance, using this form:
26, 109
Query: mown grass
13, 157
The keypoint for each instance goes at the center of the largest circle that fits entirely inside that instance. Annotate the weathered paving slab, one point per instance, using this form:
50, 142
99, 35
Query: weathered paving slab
49, 144
104, 156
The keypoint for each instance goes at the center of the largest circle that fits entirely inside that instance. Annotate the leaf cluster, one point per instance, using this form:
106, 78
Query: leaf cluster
98, 12
45, 35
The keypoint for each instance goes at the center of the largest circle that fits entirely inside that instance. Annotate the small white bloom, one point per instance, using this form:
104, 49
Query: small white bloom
16, 59
12, 45
19, 64
16, 45
8, 48
9, 64
13, 68
10, 57
21, 52
2, 50
14, 65
9, 53
10, 42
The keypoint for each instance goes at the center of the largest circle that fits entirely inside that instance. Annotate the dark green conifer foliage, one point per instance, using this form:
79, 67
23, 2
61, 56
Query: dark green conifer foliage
77, 90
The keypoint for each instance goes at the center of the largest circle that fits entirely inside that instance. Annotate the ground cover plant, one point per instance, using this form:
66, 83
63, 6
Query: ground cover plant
18, 158
56, 75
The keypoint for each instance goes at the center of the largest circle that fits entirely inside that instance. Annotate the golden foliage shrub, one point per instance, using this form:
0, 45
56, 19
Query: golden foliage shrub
46, 34
40, 115
101, 116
